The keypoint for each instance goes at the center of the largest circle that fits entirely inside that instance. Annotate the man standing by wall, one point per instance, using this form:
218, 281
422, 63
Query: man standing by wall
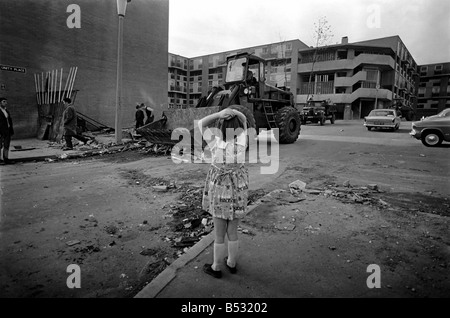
140, 116
70, 124
6, 131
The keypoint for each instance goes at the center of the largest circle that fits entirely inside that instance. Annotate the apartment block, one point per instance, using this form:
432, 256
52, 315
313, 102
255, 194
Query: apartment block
192, 78
433, 89
357, 77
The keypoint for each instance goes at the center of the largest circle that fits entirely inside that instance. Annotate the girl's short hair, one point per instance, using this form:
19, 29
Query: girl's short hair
233, 123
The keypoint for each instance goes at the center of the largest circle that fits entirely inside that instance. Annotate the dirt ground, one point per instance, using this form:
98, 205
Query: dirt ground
124, 217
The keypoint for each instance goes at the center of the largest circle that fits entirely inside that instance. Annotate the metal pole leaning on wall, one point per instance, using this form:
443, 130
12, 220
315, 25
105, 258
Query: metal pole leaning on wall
36, 89
70, 83
60, 82
42, 87
67, 82
55, 87
73, 81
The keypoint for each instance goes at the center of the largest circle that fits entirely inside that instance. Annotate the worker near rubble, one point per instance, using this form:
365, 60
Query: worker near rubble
139, 116
70, 125
148, 114
6, 131
226, 187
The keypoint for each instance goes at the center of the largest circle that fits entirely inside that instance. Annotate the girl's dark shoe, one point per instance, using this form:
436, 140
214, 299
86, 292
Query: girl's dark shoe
208, 270
233, 270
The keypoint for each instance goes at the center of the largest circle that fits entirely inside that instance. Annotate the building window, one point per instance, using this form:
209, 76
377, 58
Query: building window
435, 91
438, 67
423, 70
342, 55
434, 105
421, 91
420, 106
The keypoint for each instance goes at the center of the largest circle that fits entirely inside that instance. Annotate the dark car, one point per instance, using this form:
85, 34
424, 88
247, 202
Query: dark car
432, 130
318, 112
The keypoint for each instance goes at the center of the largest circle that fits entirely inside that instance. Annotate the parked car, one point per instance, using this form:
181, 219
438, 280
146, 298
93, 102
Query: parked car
432, 130
382, 119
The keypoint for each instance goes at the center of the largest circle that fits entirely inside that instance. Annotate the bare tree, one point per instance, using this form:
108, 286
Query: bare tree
322, 37
283, 58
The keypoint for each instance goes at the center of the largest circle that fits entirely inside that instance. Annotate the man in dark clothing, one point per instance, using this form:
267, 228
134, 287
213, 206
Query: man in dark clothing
70, 124
139, 116
6, 131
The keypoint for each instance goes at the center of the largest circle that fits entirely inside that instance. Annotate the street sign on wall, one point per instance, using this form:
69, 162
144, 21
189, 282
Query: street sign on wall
17, 69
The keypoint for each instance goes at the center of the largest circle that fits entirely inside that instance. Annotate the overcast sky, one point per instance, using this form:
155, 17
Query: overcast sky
201, 27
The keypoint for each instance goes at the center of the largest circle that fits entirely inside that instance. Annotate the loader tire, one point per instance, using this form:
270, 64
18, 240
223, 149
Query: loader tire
288, 122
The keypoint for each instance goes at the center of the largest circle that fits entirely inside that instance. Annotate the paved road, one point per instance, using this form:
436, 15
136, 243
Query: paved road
46, 204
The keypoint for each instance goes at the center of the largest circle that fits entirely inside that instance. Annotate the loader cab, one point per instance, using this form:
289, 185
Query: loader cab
247, 70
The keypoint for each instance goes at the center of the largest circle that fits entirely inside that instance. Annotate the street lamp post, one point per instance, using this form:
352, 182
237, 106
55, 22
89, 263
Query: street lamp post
121, 9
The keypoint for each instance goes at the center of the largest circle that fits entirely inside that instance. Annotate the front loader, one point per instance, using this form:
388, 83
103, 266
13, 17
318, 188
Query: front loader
265, 106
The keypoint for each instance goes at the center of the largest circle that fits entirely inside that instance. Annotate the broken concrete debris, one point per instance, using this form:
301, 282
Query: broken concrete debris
94, 147
160, 188
345, 192
297, 185
73, 242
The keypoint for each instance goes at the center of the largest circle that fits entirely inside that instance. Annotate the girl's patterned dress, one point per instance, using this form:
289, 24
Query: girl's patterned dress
226, 187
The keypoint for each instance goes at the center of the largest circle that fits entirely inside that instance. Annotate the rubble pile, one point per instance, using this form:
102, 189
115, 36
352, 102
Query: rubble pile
345, 192
95, 147
189, 221
361, 194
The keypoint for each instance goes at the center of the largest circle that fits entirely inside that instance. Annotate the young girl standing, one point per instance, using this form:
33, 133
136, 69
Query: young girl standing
225, 194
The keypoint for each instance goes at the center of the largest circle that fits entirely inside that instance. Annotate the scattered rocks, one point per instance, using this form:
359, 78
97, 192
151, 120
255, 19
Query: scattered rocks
287, 226
111, 229
149, 251
160, 188
73, 242
297, 186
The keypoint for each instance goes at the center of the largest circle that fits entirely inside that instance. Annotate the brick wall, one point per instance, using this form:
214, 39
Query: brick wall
34, 35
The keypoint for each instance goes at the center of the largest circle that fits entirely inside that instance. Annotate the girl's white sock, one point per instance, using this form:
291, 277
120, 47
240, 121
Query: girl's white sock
219, 251
233, 248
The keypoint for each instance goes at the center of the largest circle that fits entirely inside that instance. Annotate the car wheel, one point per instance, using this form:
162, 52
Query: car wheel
369, 128
431, 139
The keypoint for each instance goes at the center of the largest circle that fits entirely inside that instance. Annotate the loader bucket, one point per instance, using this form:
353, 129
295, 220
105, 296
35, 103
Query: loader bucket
160, 131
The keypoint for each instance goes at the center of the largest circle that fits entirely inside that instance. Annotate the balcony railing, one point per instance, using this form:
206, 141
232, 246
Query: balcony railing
317, 88
348, 64
178, 89
179, 65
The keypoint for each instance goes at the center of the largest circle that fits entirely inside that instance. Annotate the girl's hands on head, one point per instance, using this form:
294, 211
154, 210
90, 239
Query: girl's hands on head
227, 114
